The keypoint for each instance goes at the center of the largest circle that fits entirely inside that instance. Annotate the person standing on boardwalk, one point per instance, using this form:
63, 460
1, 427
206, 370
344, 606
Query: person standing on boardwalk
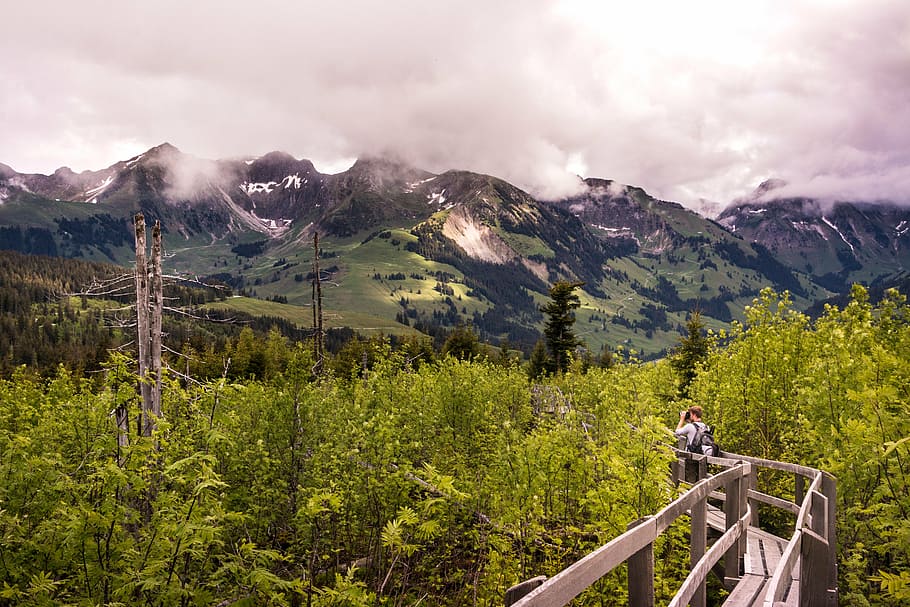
697, 433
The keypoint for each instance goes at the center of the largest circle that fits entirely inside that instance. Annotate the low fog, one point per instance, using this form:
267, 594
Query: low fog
695, 102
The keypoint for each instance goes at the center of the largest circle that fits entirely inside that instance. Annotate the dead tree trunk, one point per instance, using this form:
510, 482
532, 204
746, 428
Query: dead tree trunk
156, 308
319, 338
149, 302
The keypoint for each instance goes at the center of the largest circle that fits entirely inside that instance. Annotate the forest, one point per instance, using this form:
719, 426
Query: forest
402, 476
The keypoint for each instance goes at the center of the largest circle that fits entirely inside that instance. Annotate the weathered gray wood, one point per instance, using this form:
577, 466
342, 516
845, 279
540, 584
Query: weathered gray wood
772, 553
733, 508
572, 581
818, 513
641, 574
813, 583
754, 564
747, 591
519, 590
698, 544
142, 325
724, 544
800, 488
777, 502
697, 493
829, 490
768, 555
156, 309
782, 576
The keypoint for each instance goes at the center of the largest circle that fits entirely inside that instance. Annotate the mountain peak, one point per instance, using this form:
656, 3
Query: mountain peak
164, 148
768, 185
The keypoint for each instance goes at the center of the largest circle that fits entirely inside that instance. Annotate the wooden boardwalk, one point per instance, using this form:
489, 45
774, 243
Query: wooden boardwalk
759, 568
762, 557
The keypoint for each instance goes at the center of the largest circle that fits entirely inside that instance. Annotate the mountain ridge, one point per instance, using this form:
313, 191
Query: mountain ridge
459, 246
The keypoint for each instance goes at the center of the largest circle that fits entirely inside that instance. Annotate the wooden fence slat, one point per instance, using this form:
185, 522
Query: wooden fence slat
573, 580
813, 583
698, 544
733, 508
723, 545
641, 574
829, 490
777, 502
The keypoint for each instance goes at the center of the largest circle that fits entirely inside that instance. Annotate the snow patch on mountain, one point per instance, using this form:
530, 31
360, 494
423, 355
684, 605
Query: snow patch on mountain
415, 184
294, 180
91, 195
437, 197
902, 228
839, 233
623, 232
258, 187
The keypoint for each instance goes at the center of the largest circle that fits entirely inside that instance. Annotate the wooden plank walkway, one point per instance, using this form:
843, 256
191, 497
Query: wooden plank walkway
759, 568
763, 553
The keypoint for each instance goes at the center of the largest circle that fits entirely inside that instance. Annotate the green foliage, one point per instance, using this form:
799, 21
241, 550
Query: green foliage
832, 394
443, 482
462, 343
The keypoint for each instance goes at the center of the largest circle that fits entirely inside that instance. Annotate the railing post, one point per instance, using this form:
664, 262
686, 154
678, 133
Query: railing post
829, 489
733, 511
641, 573
800, 490
753, 504
813, 573
697, 546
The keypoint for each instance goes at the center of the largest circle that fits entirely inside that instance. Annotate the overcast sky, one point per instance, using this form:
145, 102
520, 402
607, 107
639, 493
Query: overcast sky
691, 100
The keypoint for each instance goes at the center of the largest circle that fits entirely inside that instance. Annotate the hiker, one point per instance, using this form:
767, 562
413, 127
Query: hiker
698, 435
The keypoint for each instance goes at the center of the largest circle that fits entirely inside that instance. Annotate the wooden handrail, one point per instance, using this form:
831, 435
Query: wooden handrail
813, 538
573, 580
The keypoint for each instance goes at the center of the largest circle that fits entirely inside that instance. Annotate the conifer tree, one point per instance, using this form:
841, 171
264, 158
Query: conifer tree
462, 343
561, 339
537, 365
691, 352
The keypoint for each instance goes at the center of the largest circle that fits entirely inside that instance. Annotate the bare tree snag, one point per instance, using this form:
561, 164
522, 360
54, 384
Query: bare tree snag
156, 305
149, 302
319, 337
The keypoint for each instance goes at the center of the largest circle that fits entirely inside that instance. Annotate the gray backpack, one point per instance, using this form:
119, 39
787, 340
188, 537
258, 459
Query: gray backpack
704, 437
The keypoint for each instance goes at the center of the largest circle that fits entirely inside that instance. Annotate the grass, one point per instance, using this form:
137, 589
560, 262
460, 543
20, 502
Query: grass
303, 316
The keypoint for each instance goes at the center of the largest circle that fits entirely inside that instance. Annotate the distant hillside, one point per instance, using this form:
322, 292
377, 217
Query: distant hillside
427, 251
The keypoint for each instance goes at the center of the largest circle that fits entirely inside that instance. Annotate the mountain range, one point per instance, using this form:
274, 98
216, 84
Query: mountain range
415, 249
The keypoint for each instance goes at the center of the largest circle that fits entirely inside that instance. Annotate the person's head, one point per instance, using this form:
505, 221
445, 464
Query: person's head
695, 413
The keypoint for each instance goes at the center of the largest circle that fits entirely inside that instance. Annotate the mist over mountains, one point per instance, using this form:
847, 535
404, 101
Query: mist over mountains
436, 250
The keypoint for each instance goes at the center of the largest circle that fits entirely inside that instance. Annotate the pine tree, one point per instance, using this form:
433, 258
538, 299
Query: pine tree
537, 365
462, 343
560, 337
691, 352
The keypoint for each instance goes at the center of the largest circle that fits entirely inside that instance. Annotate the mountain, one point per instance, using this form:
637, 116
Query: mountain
397, 242
836, 243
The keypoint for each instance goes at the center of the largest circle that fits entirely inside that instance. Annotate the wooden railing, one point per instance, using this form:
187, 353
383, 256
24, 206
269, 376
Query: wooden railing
812, 543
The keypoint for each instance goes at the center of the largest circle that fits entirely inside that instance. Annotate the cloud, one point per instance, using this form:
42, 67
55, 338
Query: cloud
689, 101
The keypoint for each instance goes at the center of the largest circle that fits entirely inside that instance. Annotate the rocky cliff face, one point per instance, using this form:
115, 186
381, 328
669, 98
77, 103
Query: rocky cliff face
837, 243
